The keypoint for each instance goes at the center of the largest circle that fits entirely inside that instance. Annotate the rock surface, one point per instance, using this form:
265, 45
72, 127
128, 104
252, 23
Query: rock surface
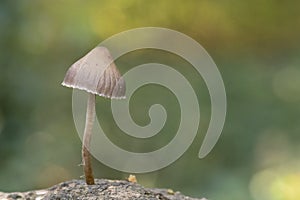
103, 189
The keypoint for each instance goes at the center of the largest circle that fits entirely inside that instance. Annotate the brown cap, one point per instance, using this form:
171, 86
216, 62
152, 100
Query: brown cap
96, 73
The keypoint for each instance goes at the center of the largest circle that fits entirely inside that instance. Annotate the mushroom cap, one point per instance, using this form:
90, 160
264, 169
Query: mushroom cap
96, 73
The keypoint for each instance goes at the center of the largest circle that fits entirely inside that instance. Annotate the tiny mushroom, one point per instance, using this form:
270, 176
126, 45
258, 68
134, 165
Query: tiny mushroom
97, 74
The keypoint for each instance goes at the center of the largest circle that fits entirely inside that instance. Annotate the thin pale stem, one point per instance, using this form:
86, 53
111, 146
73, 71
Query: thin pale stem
86, 157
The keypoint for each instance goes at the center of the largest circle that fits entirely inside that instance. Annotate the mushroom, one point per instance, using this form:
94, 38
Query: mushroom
97, 74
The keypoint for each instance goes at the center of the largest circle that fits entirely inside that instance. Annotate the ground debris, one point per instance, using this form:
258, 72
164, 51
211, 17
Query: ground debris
103, 189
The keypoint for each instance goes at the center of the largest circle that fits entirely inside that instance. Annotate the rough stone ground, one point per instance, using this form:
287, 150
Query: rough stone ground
103, 189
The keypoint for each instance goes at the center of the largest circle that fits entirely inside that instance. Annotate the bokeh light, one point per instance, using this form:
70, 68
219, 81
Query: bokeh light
278, 183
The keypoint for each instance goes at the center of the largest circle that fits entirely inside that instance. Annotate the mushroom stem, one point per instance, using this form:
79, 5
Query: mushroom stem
86, 157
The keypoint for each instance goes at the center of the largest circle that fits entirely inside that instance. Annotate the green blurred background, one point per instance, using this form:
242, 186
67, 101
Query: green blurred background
255, 45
